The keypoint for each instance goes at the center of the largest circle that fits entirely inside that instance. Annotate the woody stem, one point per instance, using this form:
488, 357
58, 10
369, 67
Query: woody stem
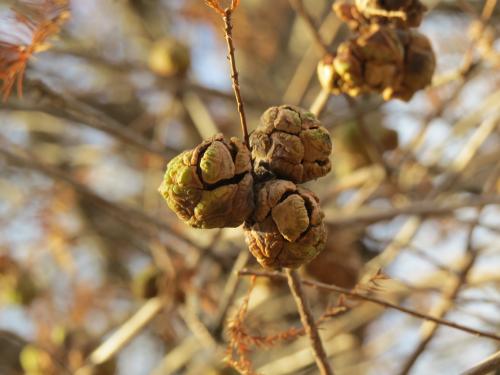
228, 33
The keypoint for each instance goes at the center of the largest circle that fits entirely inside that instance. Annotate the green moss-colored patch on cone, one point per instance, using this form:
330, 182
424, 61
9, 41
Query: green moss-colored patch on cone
211, 186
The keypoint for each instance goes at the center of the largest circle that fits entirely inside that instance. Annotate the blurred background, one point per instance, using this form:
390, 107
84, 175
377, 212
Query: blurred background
97, 276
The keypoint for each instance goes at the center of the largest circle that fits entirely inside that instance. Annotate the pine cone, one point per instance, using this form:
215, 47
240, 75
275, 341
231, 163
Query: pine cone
419, 65
373, 61
169, 58
211, 186
287, 228
290, 143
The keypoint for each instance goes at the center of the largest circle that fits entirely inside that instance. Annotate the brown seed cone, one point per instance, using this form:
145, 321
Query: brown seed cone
287, 228
373, 61
419, 65
211, 186
290, 143
169, 58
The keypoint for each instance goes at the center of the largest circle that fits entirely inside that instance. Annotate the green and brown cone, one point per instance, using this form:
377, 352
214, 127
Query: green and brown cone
169, 58
373, 61
290, 143
211, 186
287, 228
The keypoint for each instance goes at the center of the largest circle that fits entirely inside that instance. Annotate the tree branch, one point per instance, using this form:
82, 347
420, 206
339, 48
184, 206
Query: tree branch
308, 322
378, 301
485, 367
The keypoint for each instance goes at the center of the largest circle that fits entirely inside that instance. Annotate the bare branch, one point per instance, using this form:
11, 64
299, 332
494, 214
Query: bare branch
308, 322
490, 364
354, 294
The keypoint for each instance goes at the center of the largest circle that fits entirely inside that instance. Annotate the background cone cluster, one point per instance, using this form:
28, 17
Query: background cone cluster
384, 56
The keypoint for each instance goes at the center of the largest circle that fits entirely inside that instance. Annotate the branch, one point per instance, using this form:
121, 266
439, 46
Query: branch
132, 217
423, 208
429, 329
48, 101
354, 294
298, 6
226, 15
229, 293
485, 367
228, 31
308, 322
124, 334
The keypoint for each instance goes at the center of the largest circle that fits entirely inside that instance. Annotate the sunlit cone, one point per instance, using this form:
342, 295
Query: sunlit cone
290, 143
169, 58
210, 186
287, 228
373, 61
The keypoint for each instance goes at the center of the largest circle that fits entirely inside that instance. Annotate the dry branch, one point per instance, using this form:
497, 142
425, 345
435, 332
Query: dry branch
354, 294
308, 322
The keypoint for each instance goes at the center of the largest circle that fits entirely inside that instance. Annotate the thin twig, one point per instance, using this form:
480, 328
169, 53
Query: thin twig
229, 293
378, 301
228, 31
486, 366
130, 216
320, 102
308, 322
124, 333
422, 208
298, 6
46, 100
429, 329
306, 68
226, 15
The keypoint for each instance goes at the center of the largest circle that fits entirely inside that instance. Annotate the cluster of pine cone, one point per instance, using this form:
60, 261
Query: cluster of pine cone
385, 55
223, 183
